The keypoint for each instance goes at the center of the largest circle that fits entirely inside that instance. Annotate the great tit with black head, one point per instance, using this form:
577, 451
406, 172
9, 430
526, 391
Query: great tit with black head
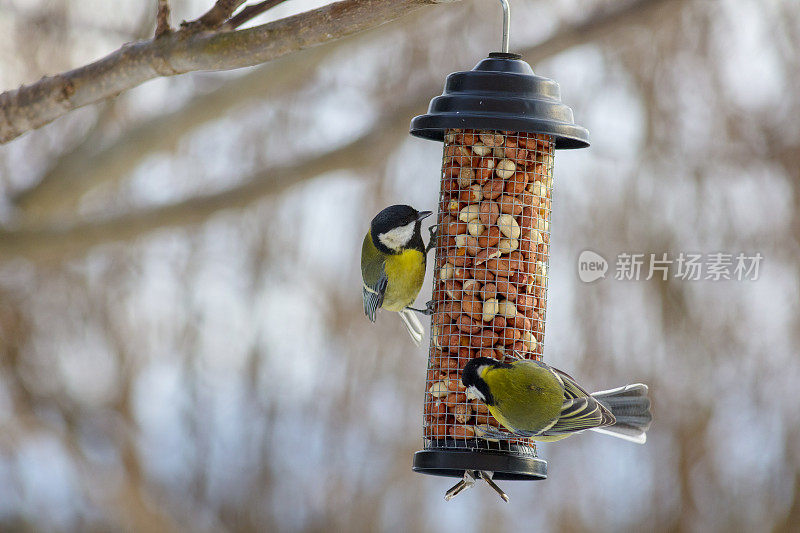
393, 264
532, 399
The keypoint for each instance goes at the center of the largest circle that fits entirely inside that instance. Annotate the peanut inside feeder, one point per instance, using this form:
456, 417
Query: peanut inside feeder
490, 291
500, 124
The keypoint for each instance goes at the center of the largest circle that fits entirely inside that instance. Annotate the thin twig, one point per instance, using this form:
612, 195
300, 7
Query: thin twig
162, 19
250, 12
214, 17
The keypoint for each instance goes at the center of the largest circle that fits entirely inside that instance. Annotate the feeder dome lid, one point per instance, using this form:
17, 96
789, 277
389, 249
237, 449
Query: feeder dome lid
501, 93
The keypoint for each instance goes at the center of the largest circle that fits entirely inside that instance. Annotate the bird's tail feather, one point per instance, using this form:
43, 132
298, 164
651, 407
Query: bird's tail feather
413, 325
631, 407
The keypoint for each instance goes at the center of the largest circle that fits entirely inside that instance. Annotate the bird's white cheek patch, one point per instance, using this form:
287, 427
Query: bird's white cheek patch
396, 238
473, 393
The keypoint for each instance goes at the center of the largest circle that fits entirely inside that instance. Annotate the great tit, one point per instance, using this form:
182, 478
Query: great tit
393, 264
532, 399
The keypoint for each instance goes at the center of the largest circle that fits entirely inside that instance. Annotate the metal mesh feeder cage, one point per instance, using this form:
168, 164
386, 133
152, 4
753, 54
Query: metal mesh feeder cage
500, 124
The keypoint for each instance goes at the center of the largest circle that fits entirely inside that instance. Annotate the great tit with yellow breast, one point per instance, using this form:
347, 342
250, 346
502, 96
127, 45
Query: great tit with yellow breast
532, 399
393, 265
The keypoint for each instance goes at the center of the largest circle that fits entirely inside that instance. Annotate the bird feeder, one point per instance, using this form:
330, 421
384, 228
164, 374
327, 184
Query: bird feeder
500, 124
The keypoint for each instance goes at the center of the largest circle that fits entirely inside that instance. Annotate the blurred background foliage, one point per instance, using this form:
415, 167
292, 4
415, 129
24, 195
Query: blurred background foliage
182, 345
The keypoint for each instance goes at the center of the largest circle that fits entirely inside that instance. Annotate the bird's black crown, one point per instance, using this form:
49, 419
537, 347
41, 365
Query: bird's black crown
392, 217
470, 377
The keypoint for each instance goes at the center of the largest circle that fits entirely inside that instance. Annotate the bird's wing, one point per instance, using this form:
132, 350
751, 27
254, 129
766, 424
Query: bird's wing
373, 275
578, 414
373, 292
571, 388
580, 410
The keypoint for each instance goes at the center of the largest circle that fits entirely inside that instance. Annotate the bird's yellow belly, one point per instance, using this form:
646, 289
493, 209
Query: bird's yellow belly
406, 272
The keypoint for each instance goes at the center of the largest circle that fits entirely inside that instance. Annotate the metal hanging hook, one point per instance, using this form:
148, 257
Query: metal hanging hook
506, 24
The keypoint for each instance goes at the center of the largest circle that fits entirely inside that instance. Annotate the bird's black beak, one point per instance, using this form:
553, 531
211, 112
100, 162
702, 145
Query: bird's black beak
424, 214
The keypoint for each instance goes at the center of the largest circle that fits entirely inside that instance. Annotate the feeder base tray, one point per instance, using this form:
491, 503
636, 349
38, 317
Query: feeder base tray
505, 465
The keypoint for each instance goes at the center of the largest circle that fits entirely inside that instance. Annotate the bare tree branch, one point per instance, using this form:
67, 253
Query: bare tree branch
79, 171
250, 12
214, 17
48, 242
32, 106
162, 19
599, 25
